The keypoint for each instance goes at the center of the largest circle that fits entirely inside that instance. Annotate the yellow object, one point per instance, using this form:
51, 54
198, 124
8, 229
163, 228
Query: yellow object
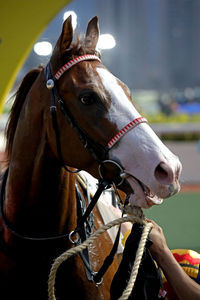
189, 261
125, 236
21, 23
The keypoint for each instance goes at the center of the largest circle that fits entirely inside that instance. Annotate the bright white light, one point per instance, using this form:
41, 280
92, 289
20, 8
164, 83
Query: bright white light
106, 41
43, 48
74, 17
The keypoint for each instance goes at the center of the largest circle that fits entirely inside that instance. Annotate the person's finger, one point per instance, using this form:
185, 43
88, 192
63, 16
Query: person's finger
151, 221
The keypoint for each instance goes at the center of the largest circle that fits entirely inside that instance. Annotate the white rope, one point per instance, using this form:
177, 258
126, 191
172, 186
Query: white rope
73, 251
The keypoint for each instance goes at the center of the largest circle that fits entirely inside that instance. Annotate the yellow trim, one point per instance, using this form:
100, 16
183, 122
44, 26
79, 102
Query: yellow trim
13, 77
21, 24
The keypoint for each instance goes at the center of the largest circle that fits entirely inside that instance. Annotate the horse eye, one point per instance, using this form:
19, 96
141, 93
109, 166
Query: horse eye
87, 99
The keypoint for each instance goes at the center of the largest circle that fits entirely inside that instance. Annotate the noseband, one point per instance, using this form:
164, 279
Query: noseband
98, 151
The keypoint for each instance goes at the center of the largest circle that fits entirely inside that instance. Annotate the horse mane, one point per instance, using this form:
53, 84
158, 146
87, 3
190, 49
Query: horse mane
20, 97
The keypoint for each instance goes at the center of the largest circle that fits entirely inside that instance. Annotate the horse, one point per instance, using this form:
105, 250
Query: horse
73, 114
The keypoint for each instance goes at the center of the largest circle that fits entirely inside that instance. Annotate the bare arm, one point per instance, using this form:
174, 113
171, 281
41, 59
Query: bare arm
184, 287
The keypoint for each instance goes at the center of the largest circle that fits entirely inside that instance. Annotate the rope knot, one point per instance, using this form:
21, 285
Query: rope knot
136, 212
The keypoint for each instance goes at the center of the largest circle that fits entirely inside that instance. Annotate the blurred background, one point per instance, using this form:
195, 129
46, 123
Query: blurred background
154, 47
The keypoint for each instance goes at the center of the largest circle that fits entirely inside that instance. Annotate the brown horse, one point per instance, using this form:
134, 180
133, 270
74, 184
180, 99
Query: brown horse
73, 113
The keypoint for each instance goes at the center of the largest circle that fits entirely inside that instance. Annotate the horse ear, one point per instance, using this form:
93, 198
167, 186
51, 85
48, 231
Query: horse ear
66, 35
92, 33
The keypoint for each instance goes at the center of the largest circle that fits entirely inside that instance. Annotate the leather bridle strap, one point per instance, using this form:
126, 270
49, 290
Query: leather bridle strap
98, 151
101, 187
20, 235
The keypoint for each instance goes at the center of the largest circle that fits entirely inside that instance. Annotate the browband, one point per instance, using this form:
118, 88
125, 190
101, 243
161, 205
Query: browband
73, 62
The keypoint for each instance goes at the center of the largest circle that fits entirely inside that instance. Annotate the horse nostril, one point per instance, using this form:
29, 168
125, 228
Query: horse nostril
164, 174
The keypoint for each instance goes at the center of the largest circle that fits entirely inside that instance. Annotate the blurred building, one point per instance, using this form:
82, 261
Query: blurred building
157, 41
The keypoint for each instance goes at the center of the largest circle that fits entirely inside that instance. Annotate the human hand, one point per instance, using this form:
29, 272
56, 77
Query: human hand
159, 246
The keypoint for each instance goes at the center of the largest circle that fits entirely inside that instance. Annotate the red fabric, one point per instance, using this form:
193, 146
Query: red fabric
190, 259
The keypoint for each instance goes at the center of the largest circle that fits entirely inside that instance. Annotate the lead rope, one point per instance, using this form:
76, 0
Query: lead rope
134, 215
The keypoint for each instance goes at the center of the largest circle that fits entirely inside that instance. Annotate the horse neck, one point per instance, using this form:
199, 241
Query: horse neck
40, 195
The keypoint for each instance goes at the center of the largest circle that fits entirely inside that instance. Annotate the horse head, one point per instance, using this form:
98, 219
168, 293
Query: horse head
101, 118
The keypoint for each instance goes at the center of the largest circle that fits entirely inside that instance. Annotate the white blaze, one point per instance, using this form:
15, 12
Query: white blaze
122, 111
140, 151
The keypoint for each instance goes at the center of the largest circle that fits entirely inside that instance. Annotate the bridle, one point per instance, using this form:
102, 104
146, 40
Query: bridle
98, 151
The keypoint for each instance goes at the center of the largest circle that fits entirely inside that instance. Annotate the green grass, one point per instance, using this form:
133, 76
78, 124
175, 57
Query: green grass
179, 216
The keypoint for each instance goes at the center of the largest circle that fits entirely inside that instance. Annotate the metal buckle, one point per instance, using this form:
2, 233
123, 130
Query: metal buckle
74, 241
97, 283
